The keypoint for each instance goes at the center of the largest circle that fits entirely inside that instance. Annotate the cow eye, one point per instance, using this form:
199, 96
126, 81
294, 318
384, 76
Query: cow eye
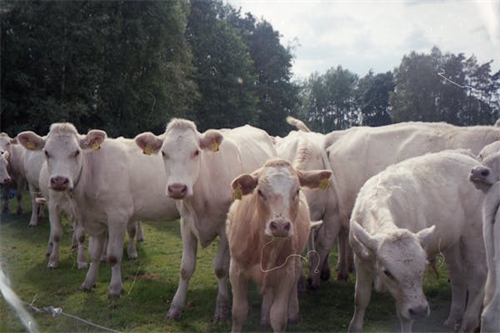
47, 155
388, 274
196, 153
297, 193
261, 194
76, 153
164, 155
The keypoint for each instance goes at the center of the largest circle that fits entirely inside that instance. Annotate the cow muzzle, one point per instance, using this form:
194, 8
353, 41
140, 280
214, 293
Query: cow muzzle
177, 191
419, 311
280, 228
479, 176
6, 180
59, 183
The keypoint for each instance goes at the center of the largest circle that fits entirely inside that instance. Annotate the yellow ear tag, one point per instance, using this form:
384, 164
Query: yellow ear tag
237, 193
215, 147
96, 146
148, 150
323, 184
30, 145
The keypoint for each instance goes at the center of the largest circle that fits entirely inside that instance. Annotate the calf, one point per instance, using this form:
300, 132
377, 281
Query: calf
486, 177
408, 213
267, 231
109, 185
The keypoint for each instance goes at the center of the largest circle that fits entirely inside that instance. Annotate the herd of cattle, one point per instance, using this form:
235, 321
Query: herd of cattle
394, 196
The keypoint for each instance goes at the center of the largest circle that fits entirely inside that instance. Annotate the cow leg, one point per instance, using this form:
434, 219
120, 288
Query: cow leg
362, 294
56, 232
240, 301
34, 207
79, 234
95, 250
326, 236
476, 271
458, 286
293, 306
19, 195
221, 269
188, 264
132, 250
281, 300
406, 324
265, 309
140, 235
116, 233
5, 198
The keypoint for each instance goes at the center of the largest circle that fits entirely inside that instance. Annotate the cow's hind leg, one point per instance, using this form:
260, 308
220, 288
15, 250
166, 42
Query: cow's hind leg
56, 232
240, 301
132, 249
362, 294
116, 233
458, 286
221, 268
188, 264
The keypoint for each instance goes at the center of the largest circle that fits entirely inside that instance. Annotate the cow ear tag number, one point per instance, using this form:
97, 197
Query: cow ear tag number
323, 184
215, 147
96, 146
237, 193
30, 145
148, 150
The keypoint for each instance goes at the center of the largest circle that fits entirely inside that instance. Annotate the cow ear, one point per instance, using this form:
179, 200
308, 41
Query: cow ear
425, 235
363, 236
31, 140
14, 141
211, 139
93, 139
149, 143
315, 178
243, 185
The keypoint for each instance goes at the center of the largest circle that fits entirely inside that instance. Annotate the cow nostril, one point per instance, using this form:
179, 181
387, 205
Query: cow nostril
287, 226
485, 173
273, 225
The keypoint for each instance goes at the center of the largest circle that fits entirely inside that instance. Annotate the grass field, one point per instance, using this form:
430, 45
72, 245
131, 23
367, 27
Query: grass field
150, 283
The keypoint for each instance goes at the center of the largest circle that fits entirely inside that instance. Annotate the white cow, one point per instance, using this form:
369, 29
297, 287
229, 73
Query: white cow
410, 212
109, 185
358, 153
486, 177
13, 154
32, 163
199, 168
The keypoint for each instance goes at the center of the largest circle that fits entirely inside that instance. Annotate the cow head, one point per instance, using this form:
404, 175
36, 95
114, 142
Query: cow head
488, 172
182, 147
63, 152
400, 261
6, 143
276, 189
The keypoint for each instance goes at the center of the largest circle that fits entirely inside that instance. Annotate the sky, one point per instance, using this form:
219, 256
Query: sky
362, 35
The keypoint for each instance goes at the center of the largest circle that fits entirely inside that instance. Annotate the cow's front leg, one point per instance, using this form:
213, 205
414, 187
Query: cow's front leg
19, 195
5, 198
293, 307
281, 300
79, 235
95, 250
221, 269
458, 286
140, 234
34, 207
56, 232
188, 264
362, 294
240, 301
116, 234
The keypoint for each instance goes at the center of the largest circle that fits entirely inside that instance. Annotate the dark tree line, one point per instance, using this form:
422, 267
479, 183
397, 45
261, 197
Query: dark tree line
129, 66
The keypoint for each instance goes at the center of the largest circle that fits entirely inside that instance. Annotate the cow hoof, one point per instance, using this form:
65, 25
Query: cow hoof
452, 323
293, 319
325, 274
221, 312
173, 313
265, 322
312, 285
133, 256
32, 225
113, 297
342, 277
86, 288
19, 211
83, 265
104, 258
52, 265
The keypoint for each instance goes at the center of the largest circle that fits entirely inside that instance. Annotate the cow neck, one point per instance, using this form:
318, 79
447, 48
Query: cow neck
71, 192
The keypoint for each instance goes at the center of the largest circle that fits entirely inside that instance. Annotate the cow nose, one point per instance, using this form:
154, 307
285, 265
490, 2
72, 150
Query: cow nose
280, 228
420, 311
7, 180
59, 183
177, 191
479, 172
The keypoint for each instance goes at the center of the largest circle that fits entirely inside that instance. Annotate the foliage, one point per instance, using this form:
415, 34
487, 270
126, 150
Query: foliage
150, 283
372, 97
467, 94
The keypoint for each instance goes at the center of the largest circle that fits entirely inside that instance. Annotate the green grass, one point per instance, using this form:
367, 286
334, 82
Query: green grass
150, 283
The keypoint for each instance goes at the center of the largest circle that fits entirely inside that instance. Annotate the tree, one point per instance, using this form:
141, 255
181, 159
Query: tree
223, 69
372, 97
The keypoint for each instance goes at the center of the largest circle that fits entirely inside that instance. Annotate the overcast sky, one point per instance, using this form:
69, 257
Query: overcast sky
364, 35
